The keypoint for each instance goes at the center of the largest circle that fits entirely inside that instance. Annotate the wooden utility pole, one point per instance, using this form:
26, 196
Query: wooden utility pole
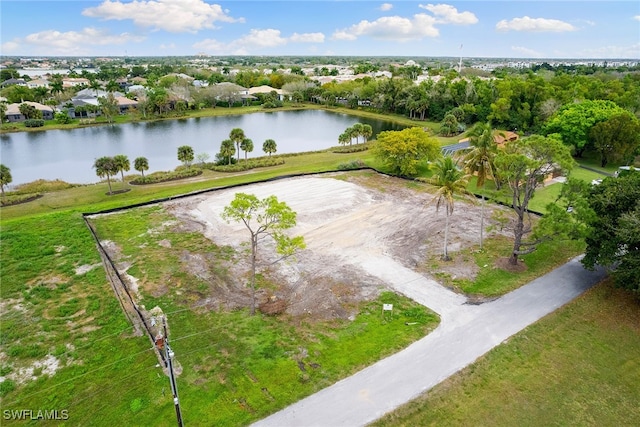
168, 357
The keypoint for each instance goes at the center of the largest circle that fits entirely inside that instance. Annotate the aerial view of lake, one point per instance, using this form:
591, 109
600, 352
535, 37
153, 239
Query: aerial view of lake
69, 154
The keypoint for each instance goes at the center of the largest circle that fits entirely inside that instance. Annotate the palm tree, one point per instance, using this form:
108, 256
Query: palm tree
450, 181
105, 167
141, 164
479, 160
237, 135
185, 154
5, 177
357, 131
122, 164
269, 146
367, 132
344, 138
227, 149
247, 146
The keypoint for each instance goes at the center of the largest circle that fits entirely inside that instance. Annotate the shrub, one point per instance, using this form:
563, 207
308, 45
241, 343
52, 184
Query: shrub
261, 162
34, 123
354, 164
157, 177
63, 118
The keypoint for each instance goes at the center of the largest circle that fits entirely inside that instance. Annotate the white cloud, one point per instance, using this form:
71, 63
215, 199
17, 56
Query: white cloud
391, 28
534, 25
448, 14
255, 40
386, 7
262, 38
637, 17
70, 42
176, 16
307, 38
529, 53
167, 46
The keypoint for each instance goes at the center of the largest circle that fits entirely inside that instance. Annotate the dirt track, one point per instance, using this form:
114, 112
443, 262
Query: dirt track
360, 238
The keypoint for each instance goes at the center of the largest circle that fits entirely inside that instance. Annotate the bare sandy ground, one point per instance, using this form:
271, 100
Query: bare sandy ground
360, 239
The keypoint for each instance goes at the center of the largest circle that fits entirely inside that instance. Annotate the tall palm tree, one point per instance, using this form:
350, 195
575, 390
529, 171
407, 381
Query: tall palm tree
122, 164
237, 135
451, 181
105, 167
227, 150
367, 132
247, 146
479, 160
269, 146
141, 164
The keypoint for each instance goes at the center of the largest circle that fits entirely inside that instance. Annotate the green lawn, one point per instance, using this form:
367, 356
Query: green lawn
577, 366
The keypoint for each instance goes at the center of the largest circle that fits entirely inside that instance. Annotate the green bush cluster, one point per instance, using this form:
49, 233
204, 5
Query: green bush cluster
351, 148
250, 164
353, 164
157, 177
34, 123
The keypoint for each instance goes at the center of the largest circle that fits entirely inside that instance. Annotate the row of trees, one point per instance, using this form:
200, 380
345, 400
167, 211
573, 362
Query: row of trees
238, 141
106, 167
355, 132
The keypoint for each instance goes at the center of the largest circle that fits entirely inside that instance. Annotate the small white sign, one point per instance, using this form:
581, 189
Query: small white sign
387, 307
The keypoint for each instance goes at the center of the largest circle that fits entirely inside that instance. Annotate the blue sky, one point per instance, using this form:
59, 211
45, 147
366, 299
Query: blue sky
501, 29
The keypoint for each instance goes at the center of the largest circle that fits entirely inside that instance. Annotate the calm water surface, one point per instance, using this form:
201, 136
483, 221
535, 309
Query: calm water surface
69, 154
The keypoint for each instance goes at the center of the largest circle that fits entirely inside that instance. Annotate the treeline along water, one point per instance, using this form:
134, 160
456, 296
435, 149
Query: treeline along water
69, 154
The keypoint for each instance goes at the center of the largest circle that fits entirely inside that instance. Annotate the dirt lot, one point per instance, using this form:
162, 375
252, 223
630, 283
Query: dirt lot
345, 220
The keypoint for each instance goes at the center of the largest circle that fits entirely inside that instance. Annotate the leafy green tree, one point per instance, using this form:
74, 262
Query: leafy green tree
449, 125
614, 231
247, 146
108, 106
227, 149
264, 218
269, 146
237, 136
106, 167
450, 181
479, 160
617, 138
29, 111
402, 151
524, 164
5, 177
574, 122
122, 164
185, 154
141, 164
3, 111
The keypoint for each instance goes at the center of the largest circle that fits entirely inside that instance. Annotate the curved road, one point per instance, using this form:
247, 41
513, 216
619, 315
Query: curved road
465, 333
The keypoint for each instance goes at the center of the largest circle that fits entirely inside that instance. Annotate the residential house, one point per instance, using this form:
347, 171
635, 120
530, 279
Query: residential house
13, 113
266, 89
11, 82
32, 84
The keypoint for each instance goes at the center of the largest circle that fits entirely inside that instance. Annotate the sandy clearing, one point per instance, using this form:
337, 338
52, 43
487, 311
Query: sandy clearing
363, 230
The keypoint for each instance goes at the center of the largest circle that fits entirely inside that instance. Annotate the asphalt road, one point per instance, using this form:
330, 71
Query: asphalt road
465, 333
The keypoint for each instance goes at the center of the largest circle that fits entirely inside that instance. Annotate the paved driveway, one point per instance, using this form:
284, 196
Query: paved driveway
465, 333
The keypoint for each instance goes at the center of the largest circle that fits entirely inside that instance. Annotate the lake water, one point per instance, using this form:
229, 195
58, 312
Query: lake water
69, 154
